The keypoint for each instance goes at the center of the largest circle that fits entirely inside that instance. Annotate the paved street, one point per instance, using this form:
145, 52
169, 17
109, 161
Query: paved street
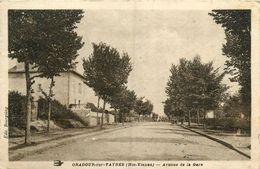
148, 141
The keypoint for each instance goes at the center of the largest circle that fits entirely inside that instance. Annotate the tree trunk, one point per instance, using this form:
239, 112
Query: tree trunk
183, 119
123, 118
49, 116
214, 117
115, 116
204, 124
104, 106
98, 108
28, 104
198, 117
49, 104
189, 118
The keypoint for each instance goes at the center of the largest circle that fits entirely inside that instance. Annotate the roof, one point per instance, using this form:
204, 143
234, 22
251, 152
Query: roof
19, 68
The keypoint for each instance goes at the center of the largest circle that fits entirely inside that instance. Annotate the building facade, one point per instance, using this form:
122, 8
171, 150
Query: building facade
69, 90
69, 87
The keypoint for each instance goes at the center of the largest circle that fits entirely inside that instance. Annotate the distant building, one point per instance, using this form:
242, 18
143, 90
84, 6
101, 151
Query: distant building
210, 114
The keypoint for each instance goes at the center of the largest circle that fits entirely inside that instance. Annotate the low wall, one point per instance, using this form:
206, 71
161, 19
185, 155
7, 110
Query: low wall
90, 117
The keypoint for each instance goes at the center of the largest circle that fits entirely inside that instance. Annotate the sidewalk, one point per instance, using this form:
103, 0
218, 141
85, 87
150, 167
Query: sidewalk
41, 141
38, 138
239, 143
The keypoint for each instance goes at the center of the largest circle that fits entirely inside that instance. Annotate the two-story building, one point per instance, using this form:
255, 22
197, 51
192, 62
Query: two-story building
69, 89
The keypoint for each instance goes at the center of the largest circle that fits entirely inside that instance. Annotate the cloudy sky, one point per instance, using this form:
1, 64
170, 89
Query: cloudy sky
155, 40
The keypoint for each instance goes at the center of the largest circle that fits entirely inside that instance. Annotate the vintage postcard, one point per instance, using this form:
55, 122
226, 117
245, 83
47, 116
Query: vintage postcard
130, 84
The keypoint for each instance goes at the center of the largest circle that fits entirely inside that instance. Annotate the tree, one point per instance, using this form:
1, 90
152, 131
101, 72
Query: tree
233, 106
106, 71
155, 116
167, 108
61, 44
124, 101
115, 101
174, 105
143, 106
237, 27
36, 38
172, 111
206, 88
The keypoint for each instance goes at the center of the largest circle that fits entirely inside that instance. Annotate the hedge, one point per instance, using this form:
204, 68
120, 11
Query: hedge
16, 109
230, 123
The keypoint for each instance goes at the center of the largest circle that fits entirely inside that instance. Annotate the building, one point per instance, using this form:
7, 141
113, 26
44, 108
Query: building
210, 114
69, 88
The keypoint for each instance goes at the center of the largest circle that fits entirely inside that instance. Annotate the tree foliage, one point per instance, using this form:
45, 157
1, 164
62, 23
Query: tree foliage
143, 106
193, 85
126, 102
40, 36
105, 70
233, 106
237, 27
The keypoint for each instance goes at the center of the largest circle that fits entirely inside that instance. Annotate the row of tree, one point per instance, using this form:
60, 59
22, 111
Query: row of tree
193, 87
46, 41
107, 72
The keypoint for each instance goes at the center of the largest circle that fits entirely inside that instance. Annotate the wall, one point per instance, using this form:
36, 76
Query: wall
93, 118
17, 82
79, 92
83, 115
90, 117
111, 118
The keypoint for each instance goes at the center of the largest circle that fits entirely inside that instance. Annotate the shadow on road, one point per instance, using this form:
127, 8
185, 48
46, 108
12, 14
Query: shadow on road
176, 132
145, 139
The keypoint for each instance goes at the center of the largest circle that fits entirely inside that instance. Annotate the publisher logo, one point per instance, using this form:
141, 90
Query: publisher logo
57, 163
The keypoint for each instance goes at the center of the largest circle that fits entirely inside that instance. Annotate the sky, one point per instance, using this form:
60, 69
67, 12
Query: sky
154, 39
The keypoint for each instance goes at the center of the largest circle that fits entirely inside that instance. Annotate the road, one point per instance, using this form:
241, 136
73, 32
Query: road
147, 141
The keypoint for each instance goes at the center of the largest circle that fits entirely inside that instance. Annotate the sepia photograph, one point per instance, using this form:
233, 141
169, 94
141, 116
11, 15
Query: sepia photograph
129, 85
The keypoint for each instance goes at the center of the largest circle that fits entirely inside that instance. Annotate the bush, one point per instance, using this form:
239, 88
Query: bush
16, 109
243, 124
230, 123
59, 112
